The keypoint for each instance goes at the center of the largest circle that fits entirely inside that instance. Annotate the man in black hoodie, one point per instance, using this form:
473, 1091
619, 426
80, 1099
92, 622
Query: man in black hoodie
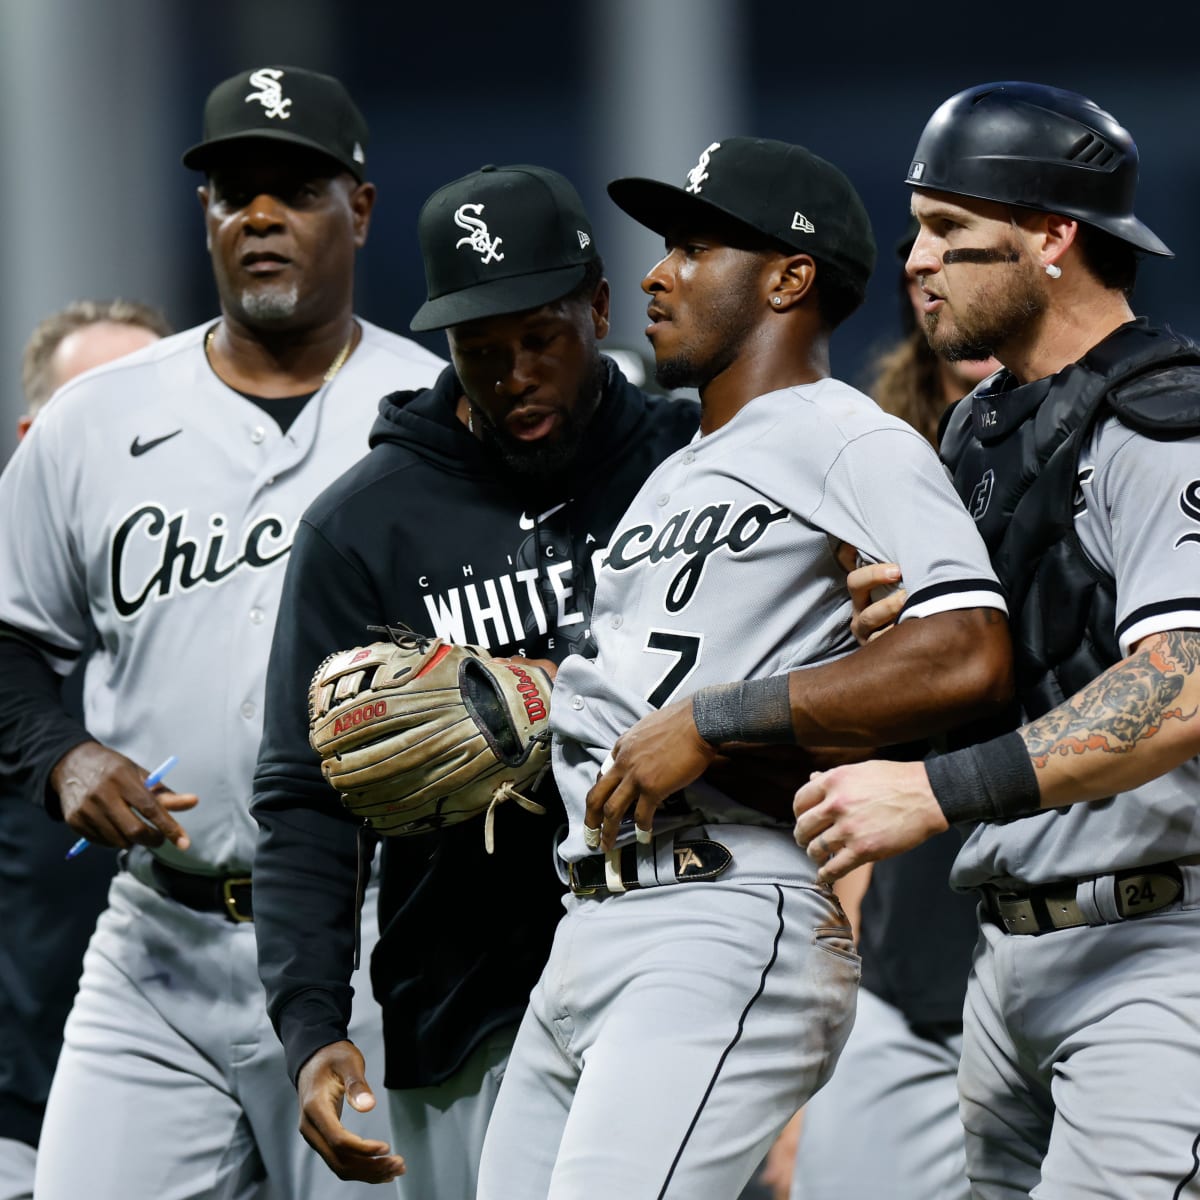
476, 517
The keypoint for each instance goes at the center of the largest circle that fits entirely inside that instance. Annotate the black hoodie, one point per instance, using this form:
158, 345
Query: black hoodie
430, 530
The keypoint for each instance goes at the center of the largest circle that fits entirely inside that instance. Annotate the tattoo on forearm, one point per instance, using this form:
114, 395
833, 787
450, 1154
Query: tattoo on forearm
1126, 705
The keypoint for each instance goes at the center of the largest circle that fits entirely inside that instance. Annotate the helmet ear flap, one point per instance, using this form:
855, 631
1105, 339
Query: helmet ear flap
1035, 147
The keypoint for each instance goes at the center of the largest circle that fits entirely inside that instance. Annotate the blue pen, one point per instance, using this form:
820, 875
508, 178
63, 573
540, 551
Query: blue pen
156, 776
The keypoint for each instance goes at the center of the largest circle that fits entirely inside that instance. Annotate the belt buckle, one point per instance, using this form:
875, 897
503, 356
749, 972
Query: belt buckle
576, 888
230, 900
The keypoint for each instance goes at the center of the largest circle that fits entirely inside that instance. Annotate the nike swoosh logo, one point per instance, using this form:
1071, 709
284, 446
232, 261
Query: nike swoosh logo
529, 522
137, 448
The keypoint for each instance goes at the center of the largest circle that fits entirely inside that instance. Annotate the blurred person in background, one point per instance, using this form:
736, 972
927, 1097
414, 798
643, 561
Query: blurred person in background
48, 907
83, 335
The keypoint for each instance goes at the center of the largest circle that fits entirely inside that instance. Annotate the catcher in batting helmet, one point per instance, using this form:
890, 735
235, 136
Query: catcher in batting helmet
1037, 147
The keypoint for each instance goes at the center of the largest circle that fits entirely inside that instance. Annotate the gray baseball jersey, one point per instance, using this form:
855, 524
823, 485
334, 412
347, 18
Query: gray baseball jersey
159, 504
738, 989
724, 569
1137, 515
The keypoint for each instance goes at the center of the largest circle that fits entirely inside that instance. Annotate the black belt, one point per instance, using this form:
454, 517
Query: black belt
695, 862
229, 895
1137, 893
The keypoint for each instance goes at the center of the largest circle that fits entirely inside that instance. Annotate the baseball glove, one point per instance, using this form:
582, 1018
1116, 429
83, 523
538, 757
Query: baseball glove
416, 734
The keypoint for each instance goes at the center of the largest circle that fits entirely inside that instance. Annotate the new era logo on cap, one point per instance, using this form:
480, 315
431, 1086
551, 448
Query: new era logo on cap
801, 223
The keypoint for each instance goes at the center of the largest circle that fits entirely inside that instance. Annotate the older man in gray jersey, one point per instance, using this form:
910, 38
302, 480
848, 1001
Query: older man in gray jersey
166, 528
1081, 466
702, 982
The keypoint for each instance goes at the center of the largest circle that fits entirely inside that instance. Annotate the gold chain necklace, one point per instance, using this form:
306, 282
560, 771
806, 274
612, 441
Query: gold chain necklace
334, 367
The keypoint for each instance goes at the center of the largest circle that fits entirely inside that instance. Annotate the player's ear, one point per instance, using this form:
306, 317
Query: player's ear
362, 201
1056, 237
600, 303
791, 281
203, 195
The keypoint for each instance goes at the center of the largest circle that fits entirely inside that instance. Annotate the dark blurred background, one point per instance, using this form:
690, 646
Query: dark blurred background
98, 98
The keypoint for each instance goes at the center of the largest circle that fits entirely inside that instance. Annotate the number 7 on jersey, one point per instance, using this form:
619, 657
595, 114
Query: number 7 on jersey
685, 647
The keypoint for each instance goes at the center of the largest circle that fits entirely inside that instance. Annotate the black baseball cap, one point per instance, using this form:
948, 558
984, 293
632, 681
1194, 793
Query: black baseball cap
774, 188
500, 240
283, 104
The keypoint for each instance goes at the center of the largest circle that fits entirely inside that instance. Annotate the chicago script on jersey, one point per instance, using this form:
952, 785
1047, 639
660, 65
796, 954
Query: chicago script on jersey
695, 537
265, 542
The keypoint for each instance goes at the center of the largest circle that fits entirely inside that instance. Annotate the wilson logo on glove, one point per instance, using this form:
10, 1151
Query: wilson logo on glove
535, 706
417, 734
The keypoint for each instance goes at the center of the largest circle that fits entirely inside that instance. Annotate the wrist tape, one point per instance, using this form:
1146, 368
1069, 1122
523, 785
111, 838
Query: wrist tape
757, 710
988, 782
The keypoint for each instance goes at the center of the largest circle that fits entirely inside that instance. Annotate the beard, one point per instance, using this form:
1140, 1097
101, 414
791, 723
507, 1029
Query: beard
1010, 309
727, 318
271, 304
547, 458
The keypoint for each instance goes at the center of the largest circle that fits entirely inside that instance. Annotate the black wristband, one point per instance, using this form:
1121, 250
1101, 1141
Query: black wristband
988, 782
756, 710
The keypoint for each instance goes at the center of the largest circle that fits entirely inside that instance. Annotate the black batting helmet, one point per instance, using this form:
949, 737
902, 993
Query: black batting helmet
1037, 147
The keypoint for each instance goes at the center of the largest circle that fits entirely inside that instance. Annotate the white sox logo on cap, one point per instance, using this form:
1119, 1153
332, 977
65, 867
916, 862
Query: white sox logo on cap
478, 238
270, 93
699, 173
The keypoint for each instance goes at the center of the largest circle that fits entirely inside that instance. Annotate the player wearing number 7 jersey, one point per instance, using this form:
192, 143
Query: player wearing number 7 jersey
675, 1029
